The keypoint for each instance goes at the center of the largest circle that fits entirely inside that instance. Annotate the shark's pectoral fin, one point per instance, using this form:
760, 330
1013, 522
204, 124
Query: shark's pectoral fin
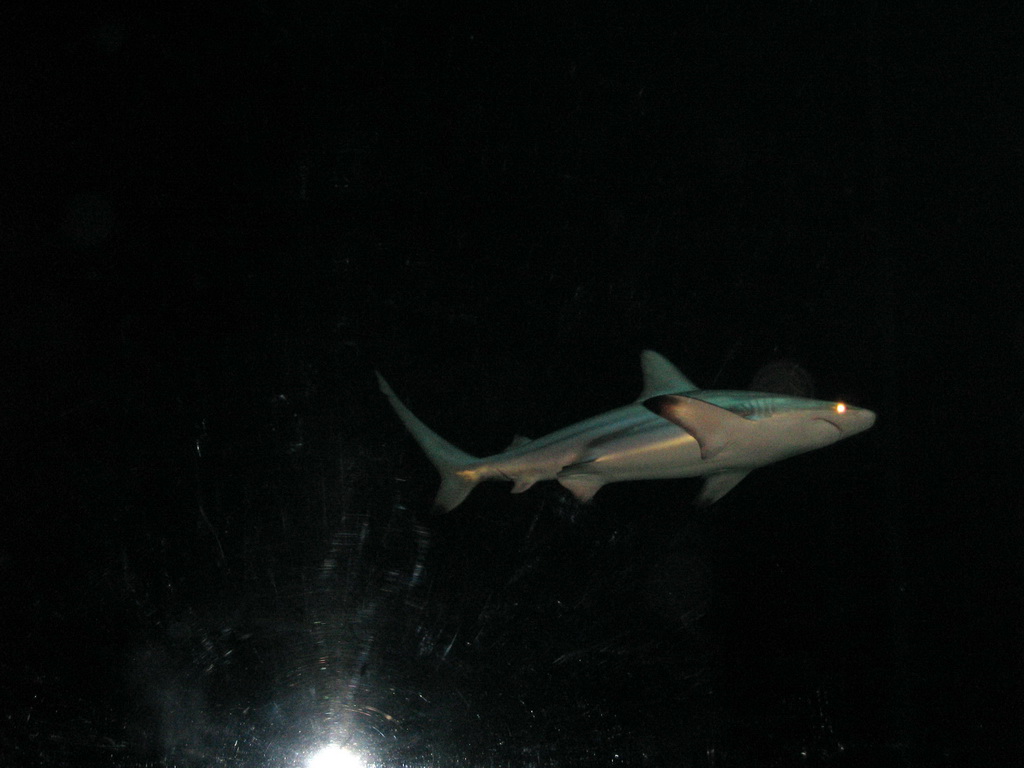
455, 487
710, 425
583, 487
717, 485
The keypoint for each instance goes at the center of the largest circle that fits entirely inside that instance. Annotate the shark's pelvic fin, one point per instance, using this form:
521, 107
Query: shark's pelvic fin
523, 484
458, 477
661, 377
582, 486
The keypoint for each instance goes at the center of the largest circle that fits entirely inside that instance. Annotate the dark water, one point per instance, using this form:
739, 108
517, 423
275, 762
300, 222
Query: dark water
216, 545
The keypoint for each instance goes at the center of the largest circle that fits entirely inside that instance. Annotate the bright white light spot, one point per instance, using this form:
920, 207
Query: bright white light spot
840, 407
333, 756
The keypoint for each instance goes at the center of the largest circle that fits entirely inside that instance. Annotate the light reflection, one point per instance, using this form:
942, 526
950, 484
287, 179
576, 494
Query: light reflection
334, 756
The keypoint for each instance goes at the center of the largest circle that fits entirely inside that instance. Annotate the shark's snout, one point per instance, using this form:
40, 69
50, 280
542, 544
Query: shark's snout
861, 421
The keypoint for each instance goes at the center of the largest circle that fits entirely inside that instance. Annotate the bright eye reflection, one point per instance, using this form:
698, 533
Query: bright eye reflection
333, 756
840, 407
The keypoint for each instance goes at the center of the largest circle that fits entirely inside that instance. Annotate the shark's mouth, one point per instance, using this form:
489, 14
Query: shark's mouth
829, 421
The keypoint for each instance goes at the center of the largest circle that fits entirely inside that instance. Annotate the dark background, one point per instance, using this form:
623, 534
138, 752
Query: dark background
217, 222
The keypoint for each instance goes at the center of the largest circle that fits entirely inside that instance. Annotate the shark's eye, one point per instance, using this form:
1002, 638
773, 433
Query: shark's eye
840, 407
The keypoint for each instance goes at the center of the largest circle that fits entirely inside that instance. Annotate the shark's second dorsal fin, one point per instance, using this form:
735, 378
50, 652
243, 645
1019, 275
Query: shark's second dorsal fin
661, 377
518, 442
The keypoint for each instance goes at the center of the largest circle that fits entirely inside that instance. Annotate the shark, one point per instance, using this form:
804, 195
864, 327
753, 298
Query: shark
672, 430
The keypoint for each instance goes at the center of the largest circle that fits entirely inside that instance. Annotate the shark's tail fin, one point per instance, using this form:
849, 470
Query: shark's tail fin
458, 472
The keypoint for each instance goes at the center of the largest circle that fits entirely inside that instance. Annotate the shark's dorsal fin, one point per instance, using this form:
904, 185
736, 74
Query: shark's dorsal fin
661, 377
710, 425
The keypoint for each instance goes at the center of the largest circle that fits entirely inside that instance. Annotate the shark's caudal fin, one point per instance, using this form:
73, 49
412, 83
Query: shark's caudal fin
458, 477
